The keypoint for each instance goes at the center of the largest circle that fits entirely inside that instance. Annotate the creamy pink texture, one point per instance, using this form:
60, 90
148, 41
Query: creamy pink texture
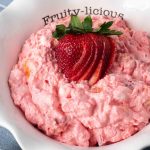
115, 108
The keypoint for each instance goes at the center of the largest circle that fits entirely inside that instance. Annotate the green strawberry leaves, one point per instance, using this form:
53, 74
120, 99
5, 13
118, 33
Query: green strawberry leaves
78, 27
87, 24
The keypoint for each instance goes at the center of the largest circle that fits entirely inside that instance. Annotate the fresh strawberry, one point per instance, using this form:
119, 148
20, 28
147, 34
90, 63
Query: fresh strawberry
78, 56
83, 53
72, 52
67, 53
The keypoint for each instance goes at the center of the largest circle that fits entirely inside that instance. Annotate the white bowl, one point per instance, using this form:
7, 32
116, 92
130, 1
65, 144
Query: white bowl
22, 18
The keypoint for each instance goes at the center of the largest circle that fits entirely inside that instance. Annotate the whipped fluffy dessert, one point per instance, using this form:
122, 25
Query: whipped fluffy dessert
114, 108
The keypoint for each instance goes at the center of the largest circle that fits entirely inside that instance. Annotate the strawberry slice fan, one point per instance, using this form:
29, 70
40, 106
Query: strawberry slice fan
84, 53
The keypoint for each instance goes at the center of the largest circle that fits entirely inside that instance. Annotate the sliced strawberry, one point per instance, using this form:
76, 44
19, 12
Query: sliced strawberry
86, 59
105, 61
83, 52
82, 67
96, 75
84, 56
108, 55
98, 54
